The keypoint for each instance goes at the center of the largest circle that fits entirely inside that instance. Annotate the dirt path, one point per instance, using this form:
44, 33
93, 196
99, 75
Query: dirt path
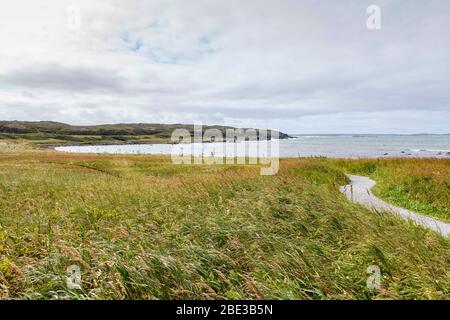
359, 190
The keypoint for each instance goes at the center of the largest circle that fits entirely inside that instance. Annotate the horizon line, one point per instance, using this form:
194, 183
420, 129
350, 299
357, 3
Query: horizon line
229, 125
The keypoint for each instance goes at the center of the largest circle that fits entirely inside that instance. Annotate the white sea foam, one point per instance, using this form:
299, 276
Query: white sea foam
338, 146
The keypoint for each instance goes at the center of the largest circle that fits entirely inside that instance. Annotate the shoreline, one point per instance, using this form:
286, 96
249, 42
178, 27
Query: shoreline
217, 151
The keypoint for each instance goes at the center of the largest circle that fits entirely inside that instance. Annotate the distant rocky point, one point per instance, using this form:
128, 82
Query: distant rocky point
49, 133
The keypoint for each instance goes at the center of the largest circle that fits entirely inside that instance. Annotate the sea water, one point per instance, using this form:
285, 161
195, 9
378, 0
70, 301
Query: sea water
334, 146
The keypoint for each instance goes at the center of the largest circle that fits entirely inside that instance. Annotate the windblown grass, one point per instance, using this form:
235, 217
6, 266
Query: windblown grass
142, 228
419, 185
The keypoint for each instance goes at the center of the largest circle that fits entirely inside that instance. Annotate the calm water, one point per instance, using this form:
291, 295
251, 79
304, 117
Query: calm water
339, 146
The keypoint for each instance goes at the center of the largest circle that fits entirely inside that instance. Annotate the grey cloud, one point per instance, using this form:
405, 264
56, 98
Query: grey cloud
84, 80
59, 77
278, 63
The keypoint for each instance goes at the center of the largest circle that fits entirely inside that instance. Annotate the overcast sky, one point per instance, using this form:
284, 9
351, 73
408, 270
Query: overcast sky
294, 65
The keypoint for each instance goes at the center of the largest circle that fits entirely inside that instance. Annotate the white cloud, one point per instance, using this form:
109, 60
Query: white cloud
293, 65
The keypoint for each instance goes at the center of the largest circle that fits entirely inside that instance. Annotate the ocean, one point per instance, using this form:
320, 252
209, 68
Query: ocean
333, 146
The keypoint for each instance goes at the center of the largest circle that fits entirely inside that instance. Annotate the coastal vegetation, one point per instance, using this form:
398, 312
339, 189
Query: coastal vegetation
140, 227
421, 185
48, 134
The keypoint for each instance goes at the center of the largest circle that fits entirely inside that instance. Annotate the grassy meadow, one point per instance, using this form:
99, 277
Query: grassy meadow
140, 227
419, 185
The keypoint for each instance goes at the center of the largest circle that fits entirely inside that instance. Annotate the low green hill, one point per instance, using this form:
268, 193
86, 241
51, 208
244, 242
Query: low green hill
48, 133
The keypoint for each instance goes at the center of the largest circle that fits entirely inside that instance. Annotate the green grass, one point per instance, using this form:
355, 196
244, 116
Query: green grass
419, 185
142, 228
51, 139
50, 134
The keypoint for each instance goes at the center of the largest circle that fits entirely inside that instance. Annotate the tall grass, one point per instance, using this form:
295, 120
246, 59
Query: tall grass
142, 228
420, 185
